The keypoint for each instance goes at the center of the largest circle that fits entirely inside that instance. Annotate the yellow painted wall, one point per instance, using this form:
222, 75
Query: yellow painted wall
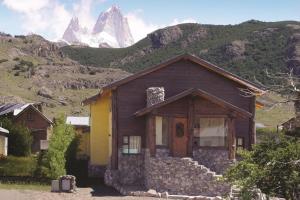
100, 130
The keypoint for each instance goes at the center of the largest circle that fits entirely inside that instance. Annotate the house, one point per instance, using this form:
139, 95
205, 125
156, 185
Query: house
31, 116
3, 141
172, 127
82, 127
291, 127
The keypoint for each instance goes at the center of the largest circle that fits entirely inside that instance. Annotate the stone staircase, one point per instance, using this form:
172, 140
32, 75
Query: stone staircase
183, 176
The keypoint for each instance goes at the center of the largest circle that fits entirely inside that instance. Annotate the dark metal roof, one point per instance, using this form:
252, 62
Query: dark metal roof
9, 108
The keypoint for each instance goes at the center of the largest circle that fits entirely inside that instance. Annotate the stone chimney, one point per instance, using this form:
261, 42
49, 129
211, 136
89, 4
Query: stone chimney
155, 95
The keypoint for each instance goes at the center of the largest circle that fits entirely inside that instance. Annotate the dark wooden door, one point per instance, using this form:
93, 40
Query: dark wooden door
179, 137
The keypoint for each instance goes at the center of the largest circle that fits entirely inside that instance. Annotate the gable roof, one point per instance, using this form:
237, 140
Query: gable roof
209, 66
11, 107
196, 92
30, 106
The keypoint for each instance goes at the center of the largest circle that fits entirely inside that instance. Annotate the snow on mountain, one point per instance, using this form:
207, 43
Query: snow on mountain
110, 30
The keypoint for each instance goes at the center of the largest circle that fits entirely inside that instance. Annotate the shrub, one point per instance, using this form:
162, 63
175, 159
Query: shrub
17, 166
273, 166
19, 137
62, 137
3, 60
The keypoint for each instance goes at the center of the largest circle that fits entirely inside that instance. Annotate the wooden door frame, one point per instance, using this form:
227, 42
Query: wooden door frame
186, 134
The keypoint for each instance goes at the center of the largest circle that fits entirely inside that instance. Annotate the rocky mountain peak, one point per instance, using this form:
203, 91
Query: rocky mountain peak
111, 30
70, 34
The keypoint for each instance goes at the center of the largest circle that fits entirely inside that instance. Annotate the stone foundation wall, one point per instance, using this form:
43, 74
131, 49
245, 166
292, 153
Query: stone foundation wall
182, 176
131, 168
96, 170
215, 159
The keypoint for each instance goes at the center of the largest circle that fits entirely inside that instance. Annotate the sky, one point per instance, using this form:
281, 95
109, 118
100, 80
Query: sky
50, 18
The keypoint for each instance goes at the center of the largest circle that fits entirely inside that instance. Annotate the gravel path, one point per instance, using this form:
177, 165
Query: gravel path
82, 194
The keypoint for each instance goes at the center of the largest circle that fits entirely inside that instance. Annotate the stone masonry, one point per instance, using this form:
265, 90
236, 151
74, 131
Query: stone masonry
177, 176
182, 176
215, 159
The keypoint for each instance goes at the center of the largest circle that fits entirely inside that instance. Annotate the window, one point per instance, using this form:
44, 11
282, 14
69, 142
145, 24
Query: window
240, 143
161, 130
210, 132
131, 144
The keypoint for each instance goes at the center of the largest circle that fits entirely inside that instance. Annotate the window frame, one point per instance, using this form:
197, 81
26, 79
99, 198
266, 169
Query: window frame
225, 117
128, 144
162, 146
243, 143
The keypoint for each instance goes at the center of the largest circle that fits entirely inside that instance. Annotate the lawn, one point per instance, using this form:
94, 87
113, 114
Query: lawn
21, 186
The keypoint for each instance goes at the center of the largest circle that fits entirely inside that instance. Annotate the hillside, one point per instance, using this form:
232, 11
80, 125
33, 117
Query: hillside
33, 69
246, 49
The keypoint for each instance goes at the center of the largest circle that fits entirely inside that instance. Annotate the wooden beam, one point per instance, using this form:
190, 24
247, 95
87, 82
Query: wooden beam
150, 134
191, 120
115, 146
231, 138
252, 129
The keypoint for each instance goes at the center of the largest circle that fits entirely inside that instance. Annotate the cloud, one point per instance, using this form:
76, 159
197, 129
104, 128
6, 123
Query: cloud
83, 11
177, 21
140, 28
46, 17
50, 18
26, 5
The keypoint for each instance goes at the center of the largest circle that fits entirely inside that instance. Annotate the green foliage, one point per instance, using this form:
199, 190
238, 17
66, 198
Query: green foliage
62, 137
273, 166
262, 133
43, 168
17, 166
266, 45
19, 137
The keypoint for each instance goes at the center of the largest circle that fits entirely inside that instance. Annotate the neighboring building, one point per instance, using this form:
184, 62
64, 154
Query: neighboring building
3, 141
30, 115
291, 127
144, 126
291, 124
82, 127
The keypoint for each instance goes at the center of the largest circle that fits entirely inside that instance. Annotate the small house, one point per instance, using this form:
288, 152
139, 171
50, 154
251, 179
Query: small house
172, 127
30, 115
82, 127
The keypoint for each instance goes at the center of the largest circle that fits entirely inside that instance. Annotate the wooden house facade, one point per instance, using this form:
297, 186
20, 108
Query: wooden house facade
195, 110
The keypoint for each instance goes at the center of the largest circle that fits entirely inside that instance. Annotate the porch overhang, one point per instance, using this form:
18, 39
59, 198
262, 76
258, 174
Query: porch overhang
196, 92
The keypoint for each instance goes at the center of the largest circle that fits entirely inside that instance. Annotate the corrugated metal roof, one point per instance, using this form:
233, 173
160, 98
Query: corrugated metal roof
78, 121
14, 108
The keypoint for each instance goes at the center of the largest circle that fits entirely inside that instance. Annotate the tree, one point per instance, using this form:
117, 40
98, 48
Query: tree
19, 138
62, 137
273, 166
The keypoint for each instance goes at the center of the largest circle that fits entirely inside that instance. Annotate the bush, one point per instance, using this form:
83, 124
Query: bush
19, 137
273, 166
3, 60
62, 137
17, 166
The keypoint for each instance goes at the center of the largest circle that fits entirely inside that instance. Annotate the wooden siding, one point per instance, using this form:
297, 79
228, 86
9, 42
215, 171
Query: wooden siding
176, 78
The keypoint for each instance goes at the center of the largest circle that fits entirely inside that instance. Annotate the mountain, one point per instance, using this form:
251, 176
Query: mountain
246, 49
33, 69
110, 30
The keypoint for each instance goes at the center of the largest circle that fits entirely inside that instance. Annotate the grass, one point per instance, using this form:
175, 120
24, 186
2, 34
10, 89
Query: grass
20, 186
274, 114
